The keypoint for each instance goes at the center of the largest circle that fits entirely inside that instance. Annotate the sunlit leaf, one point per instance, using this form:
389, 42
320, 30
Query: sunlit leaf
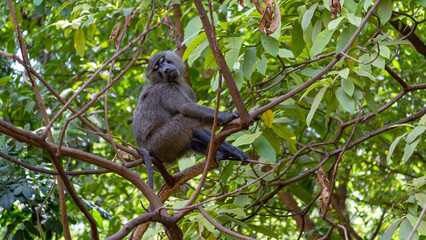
79, 42
246, 139
268, 118
354, 20
210, 61
194, 44
390, 231
332, 25
284, 53
308, 16
405, 229
415, 133
409, 150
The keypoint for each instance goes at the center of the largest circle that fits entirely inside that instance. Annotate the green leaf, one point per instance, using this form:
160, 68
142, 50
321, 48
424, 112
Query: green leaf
344, 37
28, 192
422, 120
405, 229
268, 118
214, 83
6, 199
384, 51
390, 231
367, 3
393, 145
246, 139
97, 216
234, 46
362, 73
379, 62
344, 73
128, 11
64, 5
384, 10
270, 44
262, 64
371, 103
409, 150
421, 2
320, 42
264, 230
272, 139
210, 61
348, 86
415, 133
354, 20
315, 104
345, 100
192, 29
420, 198
37, 2
186, 162
284, 53
193, 45
300, 191
284, 132
14, 98
79, 42
264, 149
29, 107
249, 62
239, 78
91, 29
197, 52
228, 170
334, 23
413, 220
307, 17
297, 42
5, 80
396, 42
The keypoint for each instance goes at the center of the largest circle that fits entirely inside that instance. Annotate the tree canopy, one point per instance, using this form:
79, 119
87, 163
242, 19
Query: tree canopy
338, 151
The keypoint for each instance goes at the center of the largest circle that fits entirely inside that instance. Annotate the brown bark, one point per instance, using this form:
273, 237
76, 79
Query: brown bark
418, 44
180, 36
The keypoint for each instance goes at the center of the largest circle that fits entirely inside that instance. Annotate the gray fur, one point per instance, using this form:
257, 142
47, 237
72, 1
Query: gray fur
168, 122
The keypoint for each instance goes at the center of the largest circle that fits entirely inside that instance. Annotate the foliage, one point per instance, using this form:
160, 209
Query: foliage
309, 79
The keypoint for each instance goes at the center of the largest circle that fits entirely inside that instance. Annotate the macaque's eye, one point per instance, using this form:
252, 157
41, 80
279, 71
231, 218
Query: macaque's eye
161, 60
156, 67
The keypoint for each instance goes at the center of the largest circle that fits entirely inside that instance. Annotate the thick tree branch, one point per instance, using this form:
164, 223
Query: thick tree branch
30, 138
418, 44
245, 118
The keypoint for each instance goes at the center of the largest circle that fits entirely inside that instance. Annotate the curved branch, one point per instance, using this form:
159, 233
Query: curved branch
220, 227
